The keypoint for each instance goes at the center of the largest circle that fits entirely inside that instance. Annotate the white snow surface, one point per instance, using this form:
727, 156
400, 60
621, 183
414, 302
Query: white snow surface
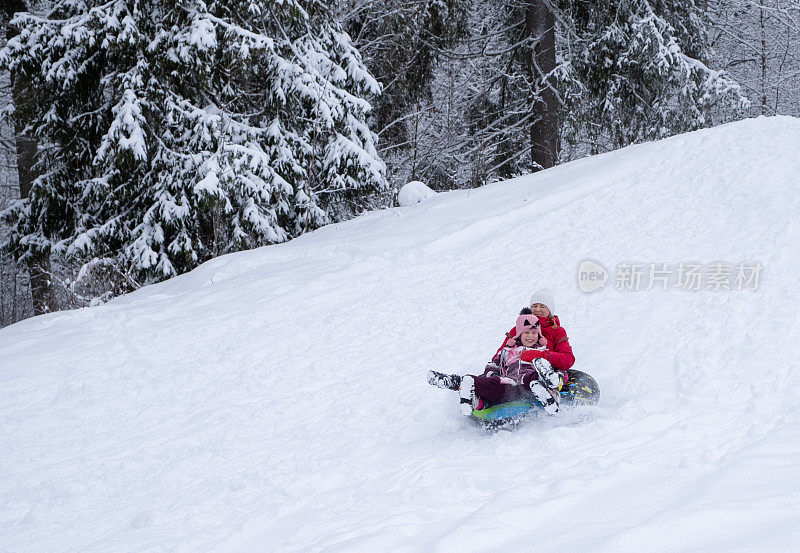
275, 400
414, 192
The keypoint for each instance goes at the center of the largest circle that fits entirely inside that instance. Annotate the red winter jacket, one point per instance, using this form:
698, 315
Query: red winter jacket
559, 352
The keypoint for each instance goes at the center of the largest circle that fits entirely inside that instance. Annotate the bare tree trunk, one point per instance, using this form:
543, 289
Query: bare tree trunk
27, 150
415, 142
39, 268
763, 58
544, 130
42, 291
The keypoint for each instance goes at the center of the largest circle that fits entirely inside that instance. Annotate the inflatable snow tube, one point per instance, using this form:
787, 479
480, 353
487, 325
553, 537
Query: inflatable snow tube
581, 389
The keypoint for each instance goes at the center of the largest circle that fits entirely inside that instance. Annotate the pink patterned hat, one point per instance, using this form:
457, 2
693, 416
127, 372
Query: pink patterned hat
524, 324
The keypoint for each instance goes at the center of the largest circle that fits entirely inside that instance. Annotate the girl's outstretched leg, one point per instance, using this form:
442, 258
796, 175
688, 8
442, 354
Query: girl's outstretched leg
469, 400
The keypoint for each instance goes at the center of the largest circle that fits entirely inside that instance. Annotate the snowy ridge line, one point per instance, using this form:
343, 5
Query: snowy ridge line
616, 170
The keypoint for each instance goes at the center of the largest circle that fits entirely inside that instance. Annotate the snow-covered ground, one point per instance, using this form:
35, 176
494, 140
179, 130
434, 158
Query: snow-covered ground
275, 400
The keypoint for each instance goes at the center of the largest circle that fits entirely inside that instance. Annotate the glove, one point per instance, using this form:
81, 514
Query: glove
530, 355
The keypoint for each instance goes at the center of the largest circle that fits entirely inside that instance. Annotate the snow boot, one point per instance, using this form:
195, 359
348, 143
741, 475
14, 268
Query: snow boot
444, 381
469, 400
548, 397
546, 388
547, 374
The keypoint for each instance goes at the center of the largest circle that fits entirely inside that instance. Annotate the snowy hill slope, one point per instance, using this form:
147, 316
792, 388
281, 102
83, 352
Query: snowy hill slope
275, 400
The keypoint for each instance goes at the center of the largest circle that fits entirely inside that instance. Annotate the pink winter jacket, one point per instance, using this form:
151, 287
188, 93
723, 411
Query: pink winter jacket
507, 363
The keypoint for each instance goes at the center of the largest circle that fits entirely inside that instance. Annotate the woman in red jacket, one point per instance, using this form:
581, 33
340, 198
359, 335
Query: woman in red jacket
559, 352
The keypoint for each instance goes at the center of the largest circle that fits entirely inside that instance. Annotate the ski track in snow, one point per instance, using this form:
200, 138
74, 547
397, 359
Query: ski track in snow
275, 400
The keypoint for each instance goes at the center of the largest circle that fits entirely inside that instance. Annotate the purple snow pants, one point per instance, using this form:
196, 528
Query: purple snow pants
495, 390
491, 387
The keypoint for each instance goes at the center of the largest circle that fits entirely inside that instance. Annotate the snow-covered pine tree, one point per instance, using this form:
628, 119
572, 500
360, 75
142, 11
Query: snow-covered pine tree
619, 73
637, 71
400, 41
174, 131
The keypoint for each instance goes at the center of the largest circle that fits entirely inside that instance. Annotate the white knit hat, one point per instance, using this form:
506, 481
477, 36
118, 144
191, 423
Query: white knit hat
545, 297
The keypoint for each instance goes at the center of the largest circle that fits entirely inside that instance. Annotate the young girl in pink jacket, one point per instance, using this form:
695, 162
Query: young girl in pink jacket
519, 364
